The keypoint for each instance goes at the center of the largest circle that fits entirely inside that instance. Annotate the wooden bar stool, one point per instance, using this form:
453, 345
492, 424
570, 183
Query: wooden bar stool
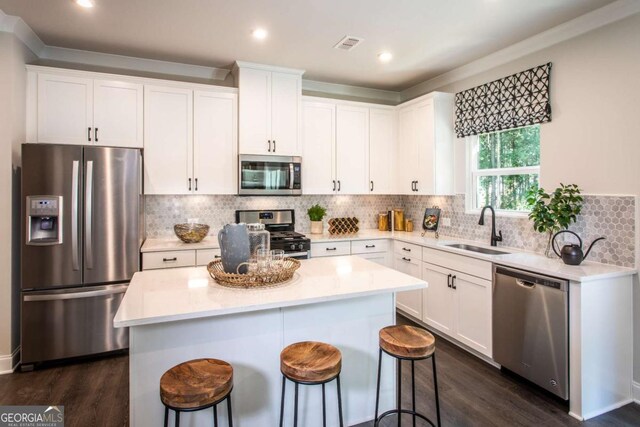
407, 343
195, 385
310, 363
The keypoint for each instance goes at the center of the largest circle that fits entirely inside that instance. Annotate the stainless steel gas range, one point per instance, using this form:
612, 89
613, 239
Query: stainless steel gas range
281, 225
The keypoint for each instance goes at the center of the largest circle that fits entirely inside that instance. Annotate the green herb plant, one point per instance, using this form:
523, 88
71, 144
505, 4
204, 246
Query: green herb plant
552, 212
316, 212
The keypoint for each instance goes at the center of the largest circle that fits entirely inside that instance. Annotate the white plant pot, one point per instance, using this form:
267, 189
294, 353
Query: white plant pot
316, 227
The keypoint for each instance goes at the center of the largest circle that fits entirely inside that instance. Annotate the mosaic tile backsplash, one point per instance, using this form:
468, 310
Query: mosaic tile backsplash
609, 216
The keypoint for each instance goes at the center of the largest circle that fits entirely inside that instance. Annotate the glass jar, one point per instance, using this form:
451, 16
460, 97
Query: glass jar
258, 238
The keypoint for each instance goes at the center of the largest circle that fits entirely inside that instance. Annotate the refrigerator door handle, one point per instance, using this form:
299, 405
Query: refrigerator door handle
88, 212
111, 290
74, 214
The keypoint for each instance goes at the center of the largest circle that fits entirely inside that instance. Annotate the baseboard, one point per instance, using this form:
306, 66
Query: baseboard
9, 362
604, 410
635, 391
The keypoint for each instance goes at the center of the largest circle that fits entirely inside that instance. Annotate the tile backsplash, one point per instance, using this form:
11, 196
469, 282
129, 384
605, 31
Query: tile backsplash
610, 216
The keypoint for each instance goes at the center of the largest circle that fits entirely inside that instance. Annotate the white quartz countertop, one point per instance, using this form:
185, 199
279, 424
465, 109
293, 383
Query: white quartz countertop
157, 296
517, 258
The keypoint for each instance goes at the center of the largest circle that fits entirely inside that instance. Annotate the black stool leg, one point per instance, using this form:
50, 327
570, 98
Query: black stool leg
377, 385
215, 415
399, 392
229, 410
413, 391
166, 416
295, 408
177, 418
324, 408
435, 386
282, 402
339, 401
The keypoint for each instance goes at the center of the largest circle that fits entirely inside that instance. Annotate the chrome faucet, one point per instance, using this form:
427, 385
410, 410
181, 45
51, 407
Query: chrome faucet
494, 238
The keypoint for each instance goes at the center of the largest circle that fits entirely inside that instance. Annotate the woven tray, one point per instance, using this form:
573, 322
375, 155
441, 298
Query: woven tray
249, 281
343, 225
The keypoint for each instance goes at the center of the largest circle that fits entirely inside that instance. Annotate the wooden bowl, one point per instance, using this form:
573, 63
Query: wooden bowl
191, 233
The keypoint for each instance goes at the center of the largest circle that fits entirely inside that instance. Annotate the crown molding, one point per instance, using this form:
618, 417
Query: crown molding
348, 91
244, 64
590, 21
24, 33
132, 63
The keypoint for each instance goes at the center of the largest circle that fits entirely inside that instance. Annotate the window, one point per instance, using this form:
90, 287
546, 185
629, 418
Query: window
504, 165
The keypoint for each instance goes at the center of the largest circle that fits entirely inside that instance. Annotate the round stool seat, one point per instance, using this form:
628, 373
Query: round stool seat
310, 362
196, 383
407, 341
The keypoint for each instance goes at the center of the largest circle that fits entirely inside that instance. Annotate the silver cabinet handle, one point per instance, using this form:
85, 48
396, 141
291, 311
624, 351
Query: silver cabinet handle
111, 290
74, 214
88, 212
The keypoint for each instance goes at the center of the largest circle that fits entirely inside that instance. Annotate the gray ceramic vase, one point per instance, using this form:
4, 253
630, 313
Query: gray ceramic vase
234, 247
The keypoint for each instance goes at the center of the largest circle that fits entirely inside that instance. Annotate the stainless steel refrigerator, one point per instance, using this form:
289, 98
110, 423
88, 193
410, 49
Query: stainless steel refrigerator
82, 230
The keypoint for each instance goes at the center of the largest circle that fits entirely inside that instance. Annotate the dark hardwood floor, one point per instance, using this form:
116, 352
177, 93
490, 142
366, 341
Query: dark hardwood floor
472, 393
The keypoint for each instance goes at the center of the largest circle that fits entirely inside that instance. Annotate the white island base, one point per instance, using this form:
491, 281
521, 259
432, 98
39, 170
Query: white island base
342, 301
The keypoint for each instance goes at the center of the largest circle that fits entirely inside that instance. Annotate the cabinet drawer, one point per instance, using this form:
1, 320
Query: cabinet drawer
407, 249
169, 259
369, 246
473, 266
205, 256
330, 249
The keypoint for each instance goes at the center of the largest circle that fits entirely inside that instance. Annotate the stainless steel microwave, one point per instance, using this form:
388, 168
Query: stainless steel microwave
262, 175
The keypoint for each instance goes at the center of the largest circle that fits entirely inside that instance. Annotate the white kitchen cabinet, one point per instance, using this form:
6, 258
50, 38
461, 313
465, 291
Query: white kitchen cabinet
458, 305
318, 147
269, 109
409, 301
215, 166
382, 150
425, 145
168, 136
86, 111
322, 249
352, 149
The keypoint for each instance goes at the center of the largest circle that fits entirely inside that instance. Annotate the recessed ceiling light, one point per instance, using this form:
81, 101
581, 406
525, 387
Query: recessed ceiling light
85, 3
384, 57
259, 33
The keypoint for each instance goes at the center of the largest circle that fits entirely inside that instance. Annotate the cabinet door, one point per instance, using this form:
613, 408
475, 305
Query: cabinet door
438, 301
118, 113
319, 147
254, 100
168, 140
352, 149
382, 150
382, 258
215, 155
424, 147
65, 109
285, 114
409, 301
407, 154
473, 312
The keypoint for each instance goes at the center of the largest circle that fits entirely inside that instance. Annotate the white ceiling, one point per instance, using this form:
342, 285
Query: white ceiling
426, 37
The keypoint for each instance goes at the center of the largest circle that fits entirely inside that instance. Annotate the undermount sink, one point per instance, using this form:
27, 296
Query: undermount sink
478, 249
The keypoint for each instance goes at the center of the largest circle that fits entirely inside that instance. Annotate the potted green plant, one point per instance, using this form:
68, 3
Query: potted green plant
552, 212
316, 213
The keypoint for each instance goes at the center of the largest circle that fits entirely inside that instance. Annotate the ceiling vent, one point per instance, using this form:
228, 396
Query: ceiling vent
348, 43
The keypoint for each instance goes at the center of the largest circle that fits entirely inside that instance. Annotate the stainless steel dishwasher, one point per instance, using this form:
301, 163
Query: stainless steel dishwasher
530, 327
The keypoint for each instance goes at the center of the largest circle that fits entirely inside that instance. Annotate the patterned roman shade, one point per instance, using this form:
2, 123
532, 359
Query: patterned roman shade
518, 100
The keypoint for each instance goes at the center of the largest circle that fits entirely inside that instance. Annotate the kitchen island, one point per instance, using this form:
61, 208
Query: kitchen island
180, 314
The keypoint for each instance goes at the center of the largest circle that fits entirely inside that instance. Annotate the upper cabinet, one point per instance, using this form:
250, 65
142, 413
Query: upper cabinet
383, 135
318, 147
425, 145
76, 110
352, 150
190, 141
269, 109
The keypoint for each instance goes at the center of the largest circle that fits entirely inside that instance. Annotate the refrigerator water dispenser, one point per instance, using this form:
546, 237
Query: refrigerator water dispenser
44, 220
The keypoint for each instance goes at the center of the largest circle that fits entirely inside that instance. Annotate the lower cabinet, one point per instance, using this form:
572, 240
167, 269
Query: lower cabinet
409, 301
458, 305
180, 258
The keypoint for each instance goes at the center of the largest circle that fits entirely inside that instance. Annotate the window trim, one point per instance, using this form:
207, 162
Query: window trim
471, 142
